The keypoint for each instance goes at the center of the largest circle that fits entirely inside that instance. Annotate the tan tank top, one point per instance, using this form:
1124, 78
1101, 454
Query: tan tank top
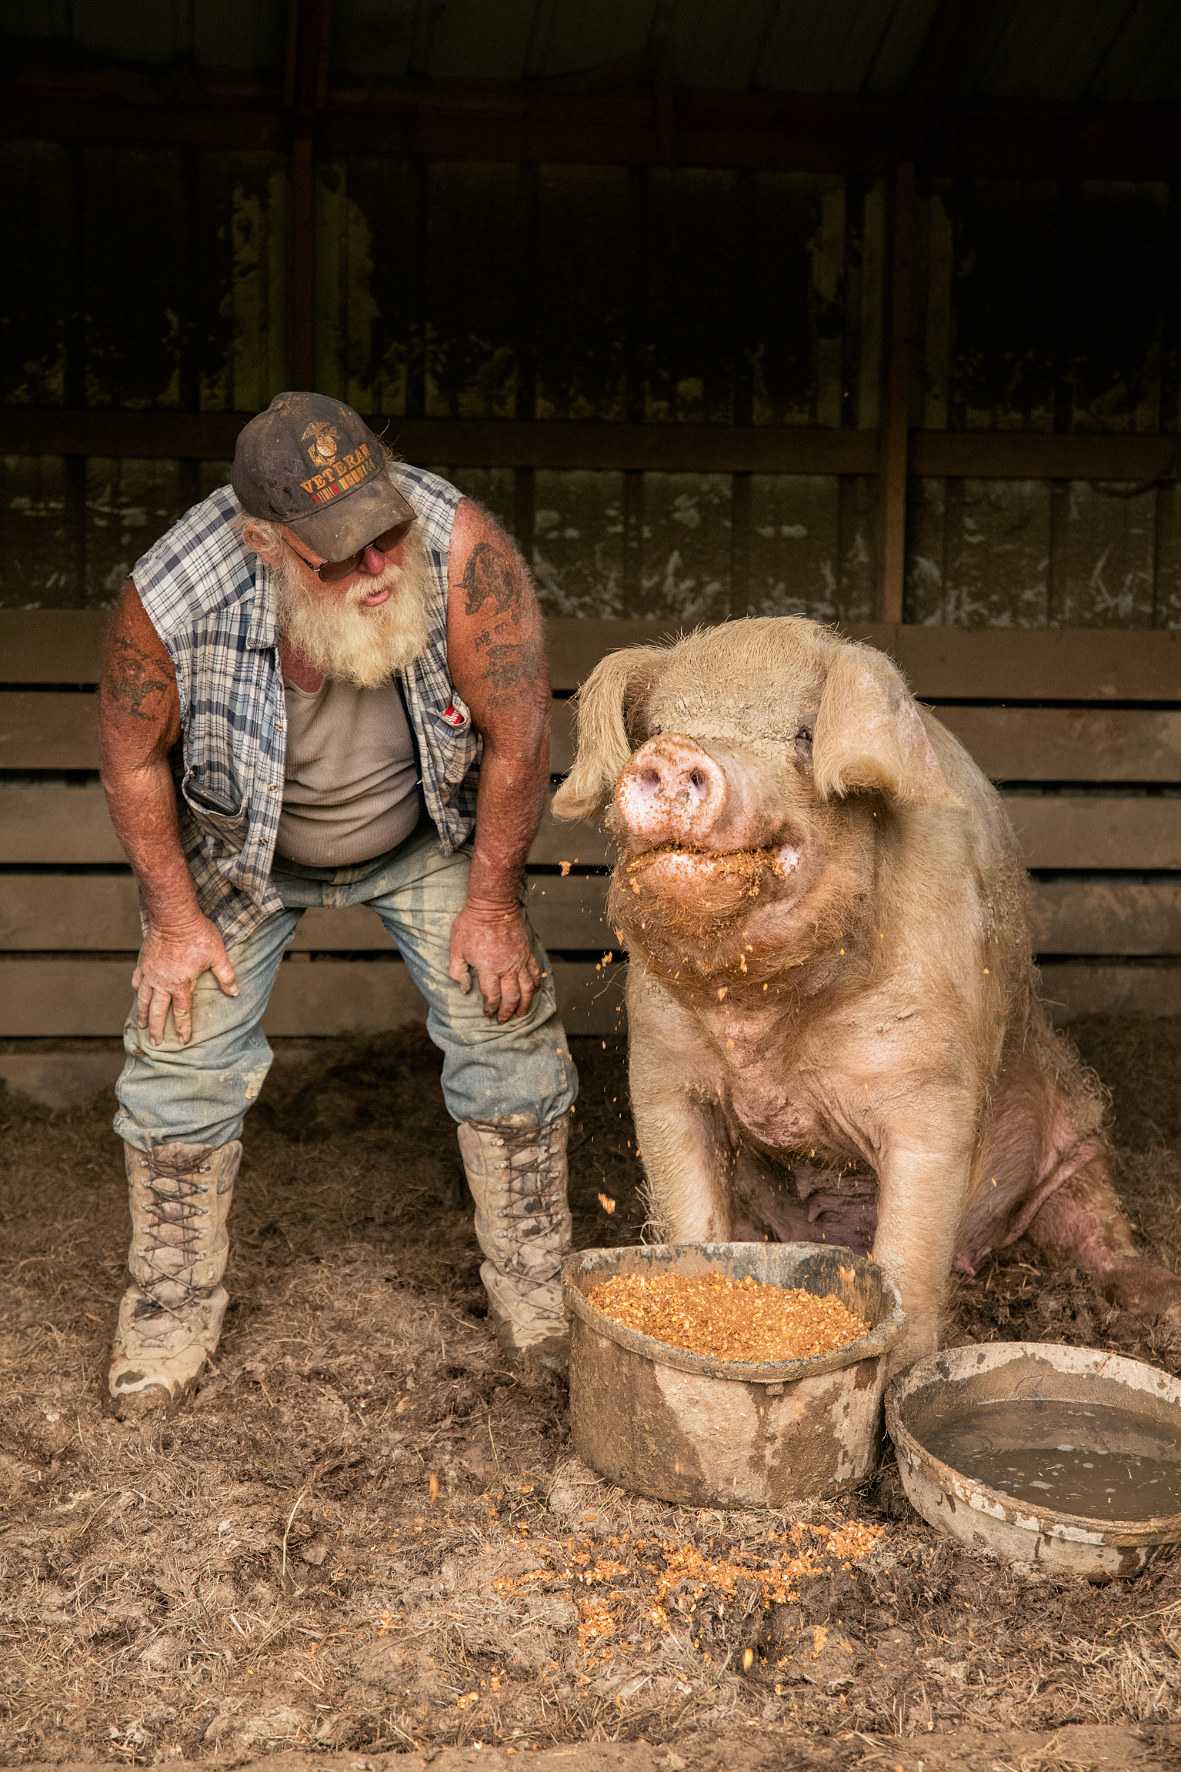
351, 787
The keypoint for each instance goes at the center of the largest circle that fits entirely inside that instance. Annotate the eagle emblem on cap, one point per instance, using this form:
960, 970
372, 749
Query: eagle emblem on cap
321, 440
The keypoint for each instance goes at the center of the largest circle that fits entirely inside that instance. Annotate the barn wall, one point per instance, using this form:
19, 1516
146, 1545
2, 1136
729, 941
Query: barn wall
460, 289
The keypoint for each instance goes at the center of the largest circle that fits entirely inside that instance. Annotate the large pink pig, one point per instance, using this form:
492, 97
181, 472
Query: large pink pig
835, 1033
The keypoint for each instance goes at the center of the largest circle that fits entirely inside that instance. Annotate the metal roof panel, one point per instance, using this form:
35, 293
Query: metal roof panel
901, 45
1044, 49
1143, 65
471, 40
571, 36
828, 48
719, 46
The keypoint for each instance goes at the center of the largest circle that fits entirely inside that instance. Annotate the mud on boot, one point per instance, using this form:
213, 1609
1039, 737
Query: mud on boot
516, 1169
171, 1318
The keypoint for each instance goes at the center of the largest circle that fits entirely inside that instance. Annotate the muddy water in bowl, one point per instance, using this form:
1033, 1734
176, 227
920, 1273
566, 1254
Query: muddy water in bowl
1074, 1459
1031, 1452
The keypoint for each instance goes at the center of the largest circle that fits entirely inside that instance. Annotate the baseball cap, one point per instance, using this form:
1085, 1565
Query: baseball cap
313, 463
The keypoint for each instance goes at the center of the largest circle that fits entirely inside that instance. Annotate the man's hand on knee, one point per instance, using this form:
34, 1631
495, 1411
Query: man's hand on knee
495, 943
170, 964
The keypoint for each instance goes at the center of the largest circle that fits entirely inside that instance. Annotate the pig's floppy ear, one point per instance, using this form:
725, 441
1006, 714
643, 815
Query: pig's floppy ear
869, 733
609, 722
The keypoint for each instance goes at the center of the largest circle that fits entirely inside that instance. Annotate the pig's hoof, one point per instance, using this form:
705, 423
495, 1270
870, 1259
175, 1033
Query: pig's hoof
1145, 1290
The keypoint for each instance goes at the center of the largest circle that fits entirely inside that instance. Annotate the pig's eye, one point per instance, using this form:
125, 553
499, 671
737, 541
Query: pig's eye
804, 735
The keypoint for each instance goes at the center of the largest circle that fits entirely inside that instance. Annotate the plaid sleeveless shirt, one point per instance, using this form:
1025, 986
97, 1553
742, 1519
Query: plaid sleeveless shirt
212, 604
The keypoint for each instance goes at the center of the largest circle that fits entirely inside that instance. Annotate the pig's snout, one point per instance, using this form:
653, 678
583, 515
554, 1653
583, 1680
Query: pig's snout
671, 790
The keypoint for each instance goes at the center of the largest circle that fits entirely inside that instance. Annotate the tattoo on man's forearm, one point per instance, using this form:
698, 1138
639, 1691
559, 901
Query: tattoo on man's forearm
133, 678
488, 576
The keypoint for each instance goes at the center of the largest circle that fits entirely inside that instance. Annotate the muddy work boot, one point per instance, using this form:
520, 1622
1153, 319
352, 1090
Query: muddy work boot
170, 1320
516, 1170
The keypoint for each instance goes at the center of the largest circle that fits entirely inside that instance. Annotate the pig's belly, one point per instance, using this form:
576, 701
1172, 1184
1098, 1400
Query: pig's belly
790, 1184
798, 1201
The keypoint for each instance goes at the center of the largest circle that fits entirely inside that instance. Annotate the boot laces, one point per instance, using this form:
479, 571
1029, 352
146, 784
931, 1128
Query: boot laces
526, 1198
175, 1200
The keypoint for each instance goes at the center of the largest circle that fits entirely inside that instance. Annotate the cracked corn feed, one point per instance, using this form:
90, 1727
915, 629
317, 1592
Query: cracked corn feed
727, 1319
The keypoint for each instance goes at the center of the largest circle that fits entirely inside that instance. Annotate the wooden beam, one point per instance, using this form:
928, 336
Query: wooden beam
1016, 455
949, 664
309, 45
1023, 140
1069, 744
795, 132
68, 997
302, 292
930, 82
933, 76
98, 913
514, 443
895, 431
1097, 831
1076, 665
65, 996
77, 913
58, 731
663, 448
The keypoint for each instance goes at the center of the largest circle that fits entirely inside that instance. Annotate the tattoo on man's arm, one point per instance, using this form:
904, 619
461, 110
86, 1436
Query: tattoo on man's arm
511, 676
488, 576
133, 678
508, 667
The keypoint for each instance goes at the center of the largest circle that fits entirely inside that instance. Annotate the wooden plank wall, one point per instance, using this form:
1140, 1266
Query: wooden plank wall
1081, 729
665, 379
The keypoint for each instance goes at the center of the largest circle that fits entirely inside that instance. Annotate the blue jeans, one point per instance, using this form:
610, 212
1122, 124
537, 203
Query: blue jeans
199, 1093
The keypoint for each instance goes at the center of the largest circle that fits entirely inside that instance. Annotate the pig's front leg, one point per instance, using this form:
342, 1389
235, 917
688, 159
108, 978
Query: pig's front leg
687, 1156
922, 1188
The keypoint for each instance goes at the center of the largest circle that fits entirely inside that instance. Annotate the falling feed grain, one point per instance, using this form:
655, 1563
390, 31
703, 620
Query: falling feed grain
726, 1319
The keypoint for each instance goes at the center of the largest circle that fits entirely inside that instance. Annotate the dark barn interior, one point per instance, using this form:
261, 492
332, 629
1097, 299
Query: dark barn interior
868, 311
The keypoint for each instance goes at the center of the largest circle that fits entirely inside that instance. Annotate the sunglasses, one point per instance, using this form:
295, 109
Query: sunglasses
331, 570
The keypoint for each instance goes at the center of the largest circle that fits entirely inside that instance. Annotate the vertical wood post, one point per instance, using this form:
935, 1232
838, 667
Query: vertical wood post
303, 259
306, 81
894, 435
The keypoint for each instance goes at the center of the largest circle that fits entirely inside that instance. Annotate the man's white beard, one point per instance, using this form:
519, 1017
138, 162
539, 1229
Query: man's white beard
337, 636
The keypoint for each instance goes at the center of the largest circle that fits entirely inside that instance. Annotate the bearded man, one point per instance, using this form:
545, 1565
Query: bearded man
326, 685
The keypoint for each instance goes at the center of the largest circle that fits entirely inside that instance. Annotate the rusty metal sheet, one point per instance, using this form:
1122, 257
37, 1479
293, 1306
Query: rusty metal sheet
1103, 556
128, 504
686, 547
36, 217
588, 258
1114, 269
370, 319
1001, 304
578, 543
978, 553
39, 536
135, 303
694, 220
471, 289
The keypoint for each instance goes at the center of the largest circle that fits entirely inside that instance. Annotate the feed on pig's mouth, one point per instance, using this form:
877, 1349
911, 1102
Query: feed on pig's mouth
726, 1319
743, 868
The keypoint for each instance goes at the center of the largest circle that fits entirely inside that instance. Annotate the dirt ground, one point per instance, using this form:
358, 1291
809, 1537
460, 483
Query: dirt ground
364, 1537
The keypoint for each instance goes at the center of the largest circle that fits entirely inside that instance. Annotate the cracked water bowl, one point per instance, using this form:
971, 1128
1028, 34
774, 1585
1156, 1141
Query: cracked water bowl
729, 1433
1029, 1452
